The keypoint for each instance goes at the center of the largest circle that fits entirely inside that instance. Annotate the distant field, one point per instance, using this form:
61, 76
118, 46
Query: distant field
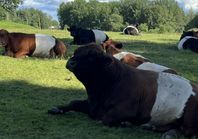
31, 86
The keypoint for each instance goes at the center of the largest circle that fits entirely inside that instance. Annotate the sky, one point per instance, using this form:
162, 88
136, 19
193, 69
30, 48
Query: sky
50, 6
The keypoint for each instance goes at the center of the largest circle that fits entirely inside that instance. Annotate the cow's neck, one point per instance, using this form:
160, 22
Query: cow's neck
106, 78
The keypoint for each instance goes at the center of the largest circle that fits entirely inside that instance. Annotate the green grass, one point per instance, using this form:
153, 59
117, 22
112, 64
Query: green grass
31, 86
13, 25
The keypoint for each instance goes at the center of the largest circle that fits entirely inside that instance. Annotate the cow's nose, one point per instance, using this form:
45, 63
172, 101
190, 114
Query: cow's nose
70, 64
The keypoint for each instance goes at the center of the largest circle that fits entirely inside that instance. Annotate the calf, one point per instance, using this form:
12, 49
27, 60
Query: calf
20, 45
119, 93
135, 60
84, 36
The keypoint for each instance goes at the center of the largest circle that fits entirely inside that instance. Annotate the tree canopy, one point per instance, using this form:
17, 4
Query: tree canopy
10, 5
160, 15
33, 17
151, 15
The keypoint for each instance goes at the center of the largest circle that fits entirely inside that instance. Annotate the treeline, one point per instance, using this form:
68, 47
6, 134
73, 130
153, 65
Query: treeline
35, 18
153, 16
32, 17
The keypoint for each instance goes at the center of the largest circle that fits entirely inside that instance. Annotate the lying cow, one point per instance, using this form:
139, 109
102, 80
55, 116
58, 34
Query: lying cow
131, 30
20, 45
189, 40
134, 60
83, 36
111, 43
118, 93
191, 33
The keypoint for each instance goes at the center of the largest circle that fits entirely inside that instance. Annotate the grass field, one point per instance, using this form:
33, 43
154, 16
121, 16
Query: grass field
31, 86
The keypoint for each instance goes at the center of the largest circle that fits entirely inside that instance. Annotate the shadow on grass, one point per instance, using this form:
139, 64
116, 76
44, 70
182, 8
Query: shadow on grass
23, 112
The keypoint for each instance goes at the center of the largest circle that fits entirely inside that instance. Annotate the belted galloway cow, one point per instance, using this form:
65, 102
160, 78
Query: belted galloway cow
84, 36
189, 40
20, 45
133, 59
120, 93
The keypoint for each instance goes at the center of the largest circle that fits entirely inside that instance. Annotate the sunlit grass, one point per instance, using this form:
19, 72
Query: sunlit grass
30, 86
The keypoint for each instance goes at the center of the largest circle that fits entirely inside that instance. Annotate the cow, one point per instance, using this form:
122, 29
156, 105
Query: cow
189, 40
189, 33
120, 93
20, 45
134, 60
84, 36
111, 43
131, 30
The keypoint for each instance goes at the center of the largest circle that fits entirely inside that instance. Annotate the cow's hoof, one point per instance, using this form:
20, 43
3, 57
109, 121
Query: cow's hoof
55, 111
171, 134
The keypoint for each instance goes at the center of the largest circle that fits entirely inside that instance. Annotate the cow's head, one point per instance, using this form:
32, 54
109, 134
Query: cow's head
73, 30
3, 37
112, 47
189, 33
87, 60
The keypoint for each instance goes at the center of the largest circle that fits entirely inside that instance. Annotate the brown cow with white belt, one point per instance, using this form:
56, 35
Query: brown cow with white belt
120, 93
20, 45
134, 60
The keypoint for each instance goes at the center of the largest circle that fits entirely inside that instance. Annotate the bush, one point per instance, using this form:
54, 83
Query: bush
143, 27
166, 28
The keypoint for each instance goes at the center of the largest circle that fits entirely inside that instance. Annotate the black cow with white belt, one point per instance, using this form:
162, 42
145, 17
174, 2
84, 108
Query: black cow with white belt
83, 36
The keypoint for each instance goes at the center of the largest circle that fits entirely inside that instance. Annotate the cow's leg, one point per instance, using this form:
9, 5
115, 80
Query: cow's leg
21, 54
76, 105
9, 53
119, 114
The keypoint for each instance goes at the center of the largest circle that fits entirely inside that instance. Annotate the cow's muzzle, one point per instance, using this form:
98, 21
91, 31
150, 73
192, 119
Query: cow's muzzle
71, 64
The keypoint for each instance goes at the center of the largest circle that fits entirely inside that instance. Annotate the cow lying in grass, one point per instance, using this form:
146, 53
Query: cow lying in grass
134, 60
20, 45
120, 93
83, 36
189, 40
131, 30
191, 33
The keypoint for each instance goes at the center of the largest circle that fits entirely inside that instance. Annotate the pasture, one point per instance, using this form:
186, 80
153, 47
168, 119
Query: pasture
31, 86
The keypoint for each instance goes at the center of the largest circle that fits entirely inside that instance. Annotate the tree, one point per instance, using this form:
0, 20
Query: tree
10, 5
192, 23
91, 14
35, 18
160, 15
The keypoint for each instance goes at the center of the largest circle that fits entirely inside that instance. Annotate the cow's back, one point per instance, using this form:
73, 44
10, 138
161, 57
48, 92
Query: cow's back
172, 94
152, 67
100, 36
44, 43
21, 41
